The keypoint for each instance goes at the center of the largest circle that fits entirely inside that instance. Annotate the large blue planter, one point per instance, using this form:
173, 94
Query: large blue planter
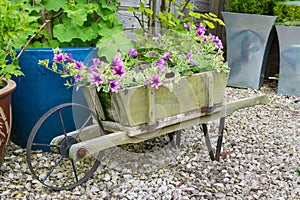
38, 91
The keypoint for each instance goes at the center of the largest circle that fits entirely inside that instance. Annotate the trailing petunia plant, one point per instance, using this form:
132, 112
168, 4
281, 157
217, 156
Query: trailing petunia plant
152, 61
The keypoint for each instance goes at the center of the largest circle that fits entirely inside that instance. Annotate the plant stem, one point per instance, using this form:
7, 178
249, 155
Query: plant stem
183, 8
31, 38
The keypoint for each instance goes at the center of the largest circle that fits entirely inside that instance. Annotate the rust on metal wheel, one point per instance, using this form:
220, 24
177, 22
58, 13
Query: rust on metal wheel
49, 162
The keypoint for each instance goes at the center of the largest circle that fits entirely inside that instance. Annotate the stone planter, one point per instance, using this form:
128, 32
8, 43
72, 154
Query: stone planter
247, 51
289, 69
5, 116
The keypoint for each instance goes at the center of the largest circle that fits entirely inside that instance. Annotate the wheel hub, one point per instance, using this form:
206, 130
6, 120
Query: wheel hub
66, 144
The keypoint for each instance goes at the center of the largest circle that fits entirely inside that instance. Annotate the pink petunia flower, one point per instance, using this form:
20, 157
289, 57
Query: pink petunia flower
119, 71
96, 78
155, 81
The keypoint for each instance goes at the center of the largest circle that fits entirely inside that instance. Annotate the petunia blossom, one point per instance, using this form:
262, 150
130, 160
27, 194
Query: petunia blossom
77, 77
216, 40
59, 58
166, 56
96, 78
69, 58
119, 71
114, 85
193, 63
155, 81
78, 65
161, 65
189, 56
201, 30
187, 26
117, 61
96, 62
133, 52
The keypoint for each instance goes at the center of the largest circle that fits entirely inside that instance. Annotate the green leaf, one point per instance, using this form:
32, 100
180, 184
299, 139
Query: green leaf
53, 5
109, 46
78, 16
66, 34
131, 9
209, 24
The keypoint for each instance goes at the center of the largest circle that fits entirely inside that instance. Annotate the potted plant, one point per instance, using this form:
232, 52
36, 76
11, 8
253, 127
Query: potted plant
288, 30
76, 26
13, 24
248, 26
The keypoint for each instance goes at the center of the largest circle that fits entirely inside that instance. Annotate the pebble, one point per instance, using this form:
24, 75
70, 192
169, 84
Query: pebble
264, 142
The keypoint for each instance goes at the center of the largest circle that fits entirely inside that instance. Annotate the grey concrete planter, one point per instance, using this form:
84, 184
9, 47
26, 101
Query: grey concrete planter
247, 38
289, 69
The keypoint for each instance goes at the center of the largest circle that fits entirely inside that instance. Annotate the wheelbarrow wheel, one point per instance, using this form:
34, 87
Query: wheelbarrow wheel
49, 161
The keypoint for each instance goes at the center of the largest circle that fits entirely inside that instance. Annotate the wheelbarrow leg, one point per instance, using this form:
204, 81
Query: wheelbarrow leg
219, 142
175, 143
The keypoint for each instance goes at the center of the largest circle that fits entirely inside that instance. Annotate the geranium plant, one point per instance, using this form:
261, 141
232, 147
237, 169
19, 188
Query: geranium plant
151, 61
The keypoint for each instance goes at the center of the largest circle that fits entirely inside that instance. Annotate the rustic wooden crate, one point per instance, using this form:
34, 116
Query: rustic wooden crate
138, 105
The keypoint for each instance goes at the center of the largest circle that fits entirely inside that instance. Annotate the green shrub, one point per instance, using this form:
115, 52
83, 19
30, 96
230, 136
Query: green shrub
261, 7
288, 13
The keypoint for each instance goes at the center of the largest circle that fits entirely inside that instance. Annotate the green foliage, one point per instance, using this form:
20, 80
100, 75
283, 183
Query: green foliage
173, 20
152, 61
73, 22
15, 26
261, 7
288, 13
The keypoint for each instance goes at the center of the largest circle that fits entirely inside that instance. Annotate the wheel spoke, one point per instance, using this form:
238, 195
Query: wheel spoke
62, 122
74, 170
52, 168
45, 145
82, 127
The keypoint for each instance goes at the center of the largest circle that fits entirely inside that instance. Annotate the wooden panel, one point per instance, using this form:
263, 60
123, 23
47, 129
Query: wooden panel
130, 105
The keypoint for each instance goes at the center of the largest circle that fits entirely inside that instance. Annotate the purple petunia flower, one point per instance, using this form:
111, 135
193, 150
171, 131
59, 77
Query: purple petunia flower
59, 58
117, 61
155, 81
216, 40
114, 85
166, 56
152, 54
78, 65
96, 78
77, 77
145, 83
201, 30
69, 58
133, 52
189, 56
187, 26
161, 65
119, 71
96, 62
193, 63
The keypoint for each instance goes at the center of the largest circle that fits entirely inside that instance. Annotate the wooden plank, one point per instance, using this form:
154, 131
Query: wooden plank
93, 101
150, 106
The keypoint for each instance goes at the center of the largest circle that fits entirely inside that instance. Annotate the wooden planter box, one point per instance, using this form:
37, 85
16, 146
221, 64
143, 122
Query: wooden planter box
138, 105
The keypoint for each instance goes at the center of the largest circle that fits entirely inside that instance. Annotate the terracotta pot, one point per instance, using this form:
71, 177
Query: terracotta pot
5, 116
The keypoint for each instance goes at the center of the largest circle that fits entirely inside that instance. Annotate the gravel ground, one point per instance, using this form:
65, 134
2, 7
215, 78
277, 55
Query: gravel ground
260, 161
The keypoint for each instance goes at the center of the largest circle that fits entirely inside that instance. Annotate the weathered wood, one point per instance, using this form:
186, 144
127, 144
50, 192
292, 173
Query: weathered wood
93, 101
118, 138
130, 105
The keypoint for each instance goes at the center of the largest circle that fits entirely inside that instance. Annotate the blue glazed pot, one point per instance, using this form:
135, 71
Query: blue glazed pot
39, 91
